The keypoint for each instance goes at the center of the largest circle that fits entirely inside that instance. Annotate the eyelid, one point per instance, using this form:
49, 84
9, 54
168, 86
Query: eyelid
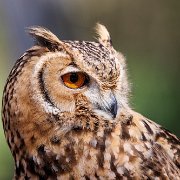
70, 69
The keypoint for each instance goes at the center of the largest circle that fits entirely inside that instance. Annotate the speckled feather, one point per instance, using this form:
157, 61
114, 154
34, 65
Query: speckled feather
55, 133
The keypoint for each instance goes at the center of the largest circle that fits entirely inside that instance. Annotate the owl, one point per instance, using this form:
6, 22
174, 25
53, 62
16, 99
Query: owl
66, 115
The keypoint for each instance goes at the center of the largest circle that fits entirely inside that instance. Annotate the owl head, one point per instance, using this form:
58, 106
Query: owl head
61, 84
79, 74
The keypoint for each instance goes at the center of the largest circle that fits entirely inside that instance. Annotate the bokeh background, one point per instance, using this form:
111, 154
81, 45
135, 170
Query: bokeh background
146, 32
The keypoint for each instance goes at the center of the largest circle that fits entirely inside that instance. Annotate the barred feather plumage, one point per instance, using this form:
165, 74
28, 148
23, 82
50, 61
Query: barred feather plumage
90, 132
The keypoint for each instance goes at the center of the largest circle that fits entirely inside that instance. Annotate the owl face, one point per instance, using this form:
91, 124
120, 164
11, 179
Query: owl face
90, 73
62, 80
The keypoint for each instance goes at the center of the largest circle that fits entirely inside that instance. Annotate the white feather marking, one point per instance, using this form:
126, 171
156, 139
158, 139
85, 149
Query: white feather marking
120, 170
107, 156
127, 148
93, 143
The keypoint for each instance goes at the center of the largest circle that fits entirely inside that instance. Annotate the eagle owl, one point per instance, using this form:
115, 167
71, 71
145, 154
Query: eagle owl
66, 115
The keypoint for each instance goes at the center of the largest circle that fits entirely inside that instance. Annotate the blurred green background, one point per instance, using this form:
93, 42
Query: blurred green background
146, 32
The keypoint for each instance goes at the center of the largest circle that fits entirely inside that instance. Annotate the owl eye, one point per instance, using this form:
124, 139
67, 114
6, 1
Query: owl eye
75, 80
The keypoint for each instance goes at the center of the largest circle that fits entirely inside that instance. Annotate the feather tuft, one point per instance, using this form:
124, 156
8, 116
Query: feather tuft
103, 35
43, 37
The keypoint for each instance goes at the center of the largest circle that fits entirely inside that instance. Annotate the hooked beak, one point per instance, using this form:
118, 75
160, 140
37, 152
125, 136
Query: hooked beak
109, 105
113, 109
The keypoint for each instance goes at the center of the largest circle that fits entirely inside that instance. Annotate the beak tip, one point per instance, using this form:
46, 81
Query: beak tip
113, 109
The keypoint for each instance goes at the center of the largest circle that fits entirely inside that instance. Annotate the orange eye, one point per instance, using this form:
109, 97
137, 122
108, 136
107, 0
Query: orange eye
74, 80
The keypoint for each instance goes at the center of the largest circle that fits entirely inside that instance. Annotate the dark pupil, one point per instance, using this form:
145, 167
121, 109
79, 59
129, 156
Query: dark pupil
74, 77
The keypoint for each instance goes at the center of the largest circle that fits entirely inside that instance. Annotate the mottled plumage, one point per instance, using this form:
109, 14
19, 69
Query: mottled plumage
58, 127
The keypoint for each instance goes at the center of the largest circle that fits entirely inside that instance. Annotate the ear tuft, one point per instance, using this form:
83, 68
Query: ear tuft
103, 35
43, 37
